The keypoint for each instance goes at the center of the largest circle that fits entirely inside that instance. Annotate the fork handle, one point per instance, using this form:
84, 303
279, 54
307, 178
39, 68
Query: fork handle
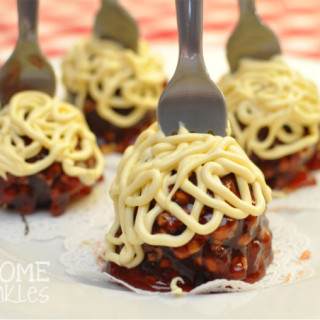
106, 2
28, 19
248, 10
189, 21
247, 6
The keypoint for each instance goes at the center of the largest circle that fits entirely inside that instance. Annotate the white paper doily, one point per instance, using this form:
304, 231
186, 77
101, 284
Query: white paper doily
288, 245
92, 211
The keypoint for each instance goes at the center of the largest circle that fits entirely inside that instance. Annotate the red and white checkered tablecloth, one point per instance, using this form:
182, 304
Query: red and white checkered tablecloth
61, 23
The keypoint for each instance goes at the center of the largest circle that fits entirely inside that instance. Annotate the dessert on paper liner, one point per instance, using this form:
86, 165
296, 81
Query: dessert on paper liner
189, 217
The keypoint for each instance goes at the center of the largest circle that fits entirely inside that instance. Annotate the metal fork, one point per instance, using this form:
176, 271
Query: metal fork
27, 68
114, 22
191, 98
251, 38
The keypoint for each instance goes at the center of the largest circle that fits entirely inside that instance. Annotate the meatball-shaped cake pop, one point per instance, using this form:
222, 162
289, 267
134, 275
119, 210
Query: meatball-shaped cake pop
274, 113
48, 155
188, 207
117, 88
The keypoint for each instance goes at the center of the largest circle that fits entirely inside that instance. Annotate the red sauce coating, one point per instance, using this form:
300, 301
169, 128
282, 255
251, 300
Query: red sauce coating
302, 179
50, 188
290, 172
238, 250
314, 163
111, 137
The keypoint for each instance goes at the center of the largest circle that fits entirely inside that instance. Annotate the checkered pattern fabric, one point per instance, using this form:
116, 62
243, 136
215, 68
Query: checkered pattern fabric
61, 23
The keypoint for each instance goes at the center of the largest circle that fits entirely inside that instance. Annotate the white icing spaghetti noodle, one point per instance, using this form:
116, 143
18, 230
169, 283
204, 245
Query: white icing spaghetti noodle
48, 123
114, 77
156, 162
270, 96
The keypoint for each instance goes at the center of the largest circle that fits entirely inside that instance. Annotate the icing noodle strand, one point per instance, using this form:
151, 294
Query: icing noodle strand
114, 77
156, 162
269, 96
56, 126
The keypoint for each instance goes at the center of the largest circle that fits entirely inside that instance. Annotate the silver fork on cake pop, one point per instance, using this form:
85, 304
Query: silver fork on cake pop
27, 68
251, 38
191, 98
114, 22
